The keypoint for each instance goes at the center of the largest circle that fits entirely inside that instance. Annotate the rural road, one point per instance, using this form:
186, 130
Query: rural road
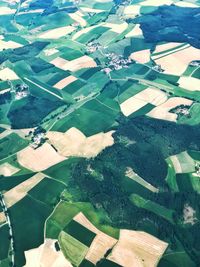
5, 210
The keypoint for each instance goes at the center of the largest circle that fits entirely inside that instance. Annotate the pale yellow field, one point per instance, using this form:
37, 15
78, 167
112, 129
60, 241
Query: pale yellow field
178, 62
142, 56
46, 256
91, 10
4, 91
50, 52
2, 218
153, 96
156, 3
64, 82
31, 11
149, 95
7, 169
189, 83
78, 18
83, 31
103, 1
185, 4
56, 33
101, 243
136, 31
132, 10
167, 53
163, 114
136, 248
183, 163
8, 45
39, 159
176, 164
162, 111
18, 192
8, 74
131, 105
59, 62
118, 28
164, 47
6, 10
5, 133
75, 143
76, 64
134, 176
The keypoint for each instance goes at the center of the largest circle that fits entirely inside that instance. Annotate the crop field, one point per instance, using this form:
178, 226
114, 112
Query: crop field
4, 235
152, 206
6, 145
32, 221
73, 250
99, 133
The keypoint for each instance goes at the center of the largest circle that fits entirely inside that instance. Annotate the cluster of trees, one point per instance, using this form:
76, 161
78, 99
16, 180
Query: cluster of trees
27, 52
182, 25
5, 98
155, 140
31, 112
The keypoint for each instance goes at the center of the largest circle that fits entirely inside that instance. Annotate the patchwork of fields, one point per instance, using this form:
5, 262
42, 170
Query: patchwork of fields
99, 133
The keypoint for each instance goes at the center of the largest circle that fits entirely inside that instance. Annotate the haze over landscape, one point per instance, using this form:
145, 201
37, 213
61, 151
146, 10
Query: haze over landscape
99, 133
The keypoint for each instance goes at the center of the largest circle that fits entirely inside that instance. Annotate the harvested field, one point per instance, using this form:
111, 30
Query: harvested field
189, 83
46, 255
73, 250
134, 176
150, 95
118, 28
162, 111
156, 3
183, 163
39, 159
8, 45
64, 82
6, 11
91, 10
78, 18
57, 33
136, 31
136, 248
132, 10
7, 169
74, 65
185, 4
75, 143
142, 56
176, 63
50, 52
83, 31
101, 243
17, 193
8, 74
131, 105
166, 46
2, 218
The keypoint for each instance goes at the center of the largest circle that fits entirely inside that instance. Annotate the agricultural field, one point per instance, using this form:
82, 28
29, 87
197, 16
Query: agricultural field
99, 133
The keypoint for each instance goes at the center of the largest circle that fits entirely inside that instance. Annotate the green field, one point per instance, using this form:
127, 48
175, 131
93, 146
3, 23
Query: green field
7, 148
4, 237
171, 177
79, 232
65, 212
73, 250
30, 225
153, 207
